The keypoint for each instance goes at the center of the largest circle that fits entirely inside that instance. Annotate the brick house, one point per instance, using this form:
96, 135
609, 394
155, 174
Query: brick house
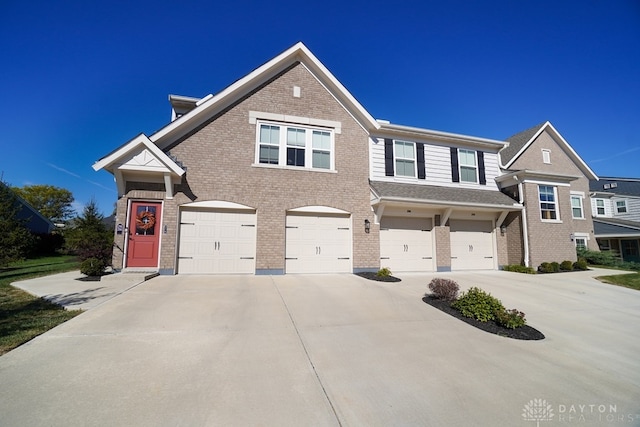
285, 172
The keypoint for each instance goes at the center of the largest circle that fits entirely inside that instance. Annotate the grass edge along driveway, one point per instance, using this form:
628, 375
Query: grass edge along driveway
24, 316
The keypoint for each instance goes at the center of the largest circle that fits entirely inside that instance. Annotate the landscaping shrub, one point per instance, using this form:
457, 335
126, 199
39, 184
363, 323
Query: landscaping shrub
510, 318
384, 272
444, 289
545, 267
581, 265
478, 304
606, 258
93, 267
566, 266
517, 268
555, 267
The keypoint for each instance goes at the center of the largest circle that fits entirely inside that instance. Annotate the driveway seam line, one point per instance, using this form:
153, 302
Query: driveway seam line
306, 352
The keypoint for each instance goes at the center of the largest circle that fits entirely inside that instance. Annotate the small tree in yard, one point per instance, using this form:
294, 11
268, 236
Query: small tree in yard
15, 240
91, 240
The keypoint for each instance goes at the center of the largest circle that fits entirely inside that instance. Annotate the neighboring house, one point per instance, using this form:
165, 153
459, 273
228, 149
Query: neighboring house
33, 219
285, 172
542, 170
615, 206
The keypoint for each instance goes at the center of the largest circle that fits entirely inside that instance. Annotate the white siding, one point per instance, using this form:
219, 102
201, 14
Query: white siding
438, 166
608, 212
633, 208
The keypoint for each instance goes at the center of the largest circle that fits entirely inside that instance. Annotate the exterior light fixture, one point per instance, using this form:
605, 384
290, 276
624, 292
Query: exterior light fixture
367, 226
503, 230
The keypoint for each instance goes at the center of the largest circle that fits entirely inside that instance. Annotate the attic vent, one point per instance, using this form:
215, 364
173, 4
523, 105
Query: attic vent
607, 186
614, 184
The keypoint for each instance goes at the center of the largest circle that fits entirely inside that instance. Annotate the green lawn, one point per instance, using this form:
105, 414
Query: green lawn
22, 315
631, 280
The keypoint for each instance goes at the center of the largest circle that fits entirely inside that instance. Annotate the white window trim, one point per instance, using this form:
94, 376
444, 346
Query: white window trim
282, 152
580, 199
460, 166
414, 159
626, 207
546, 156
604, 207
555, 202
581, 236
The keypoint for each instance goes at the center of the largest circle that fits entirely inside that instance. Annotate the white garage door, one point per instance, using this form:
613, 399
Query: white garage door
406, 244
318, 244
471, 245
217, 242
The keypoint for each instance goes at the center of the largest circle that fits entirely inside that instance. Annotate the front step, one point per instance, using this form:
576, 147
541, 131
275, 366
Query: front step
132, 275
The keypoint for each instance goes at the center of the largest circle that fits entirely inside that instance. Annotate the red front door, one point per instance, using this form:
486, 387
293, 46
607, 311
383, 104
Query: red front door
144, 234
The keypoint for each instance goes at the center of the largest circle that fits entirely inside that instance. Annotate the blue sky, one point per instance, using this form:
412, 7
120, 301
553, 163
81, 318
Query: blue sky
78, 79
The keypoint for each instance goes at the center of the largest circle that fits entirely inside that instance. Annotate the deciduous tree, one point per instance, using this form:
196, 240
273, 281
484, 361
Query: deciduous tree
52, 202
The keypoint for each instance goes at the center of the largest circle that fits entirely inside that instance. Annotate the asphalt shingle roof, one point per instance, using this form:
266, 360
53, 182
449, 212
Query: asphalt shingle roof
624, 186
517, 141
615, 226
442, 194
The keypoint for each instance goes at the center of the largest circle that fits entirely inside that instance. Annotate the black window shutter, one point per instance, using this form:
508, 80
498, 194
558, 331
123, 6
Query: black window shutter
455, 173
388, 157
481, 176
420, 153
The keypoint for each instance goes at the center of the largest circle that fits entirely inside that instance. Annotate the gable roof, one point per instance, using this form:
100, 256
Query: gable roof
617, 186
209, 106
520, 142
140, 142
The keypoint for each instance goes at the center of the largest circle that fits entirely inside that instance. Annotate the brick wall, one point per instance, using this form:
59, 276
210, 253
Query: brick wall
220, 155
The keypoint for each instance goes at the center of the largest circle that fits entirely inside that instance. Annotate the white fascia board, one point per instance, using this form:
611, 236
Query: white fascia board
526, 146
441, 136
298, 52
514, 207
132, 145
574, 156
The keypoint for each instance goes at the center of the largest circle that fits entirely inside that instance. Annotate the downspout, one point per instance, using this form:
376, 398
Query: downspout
525, 231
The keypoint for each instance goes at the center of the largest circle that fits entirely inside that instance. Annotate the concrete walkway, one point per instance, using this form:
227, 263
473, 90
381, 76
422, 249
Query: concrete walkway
72, 292
331, 350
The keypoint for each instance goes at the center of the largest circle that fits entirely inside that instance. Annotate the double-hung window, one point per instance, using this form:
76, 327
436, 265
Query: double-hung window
269, 140
295, 146
621, 206
405, 155
600, 207
321, 143
548, 202
468, 166
576, 207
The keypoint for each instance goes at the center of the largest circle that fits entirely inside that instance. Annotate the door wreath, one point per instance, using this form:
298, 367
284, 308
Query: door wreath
145, 220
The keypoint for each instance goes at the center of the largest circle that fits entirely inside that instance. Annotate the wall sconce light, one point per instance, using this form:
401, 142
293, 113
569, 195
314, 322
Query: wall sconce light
503, 230
367, 226
572, 237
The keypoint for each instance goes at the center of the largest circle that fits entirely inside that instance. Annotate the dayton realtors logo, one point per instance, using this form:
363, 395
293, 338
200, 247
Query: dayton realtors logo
541, 410
537, 410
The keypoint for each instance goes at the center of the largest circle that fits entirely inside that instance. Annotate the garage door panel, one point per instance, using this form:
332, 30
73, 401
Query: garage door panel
318, 244
217, 242
472, 245
406, 244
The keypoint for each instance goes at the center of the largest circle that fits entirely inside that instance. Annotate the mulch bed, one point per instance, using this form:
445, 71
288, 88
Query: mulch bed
525, 332
373, 276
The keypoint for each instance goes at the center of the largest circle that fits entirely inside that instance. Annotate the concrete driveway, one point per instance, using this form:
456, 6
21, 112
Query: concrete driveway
331, 350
